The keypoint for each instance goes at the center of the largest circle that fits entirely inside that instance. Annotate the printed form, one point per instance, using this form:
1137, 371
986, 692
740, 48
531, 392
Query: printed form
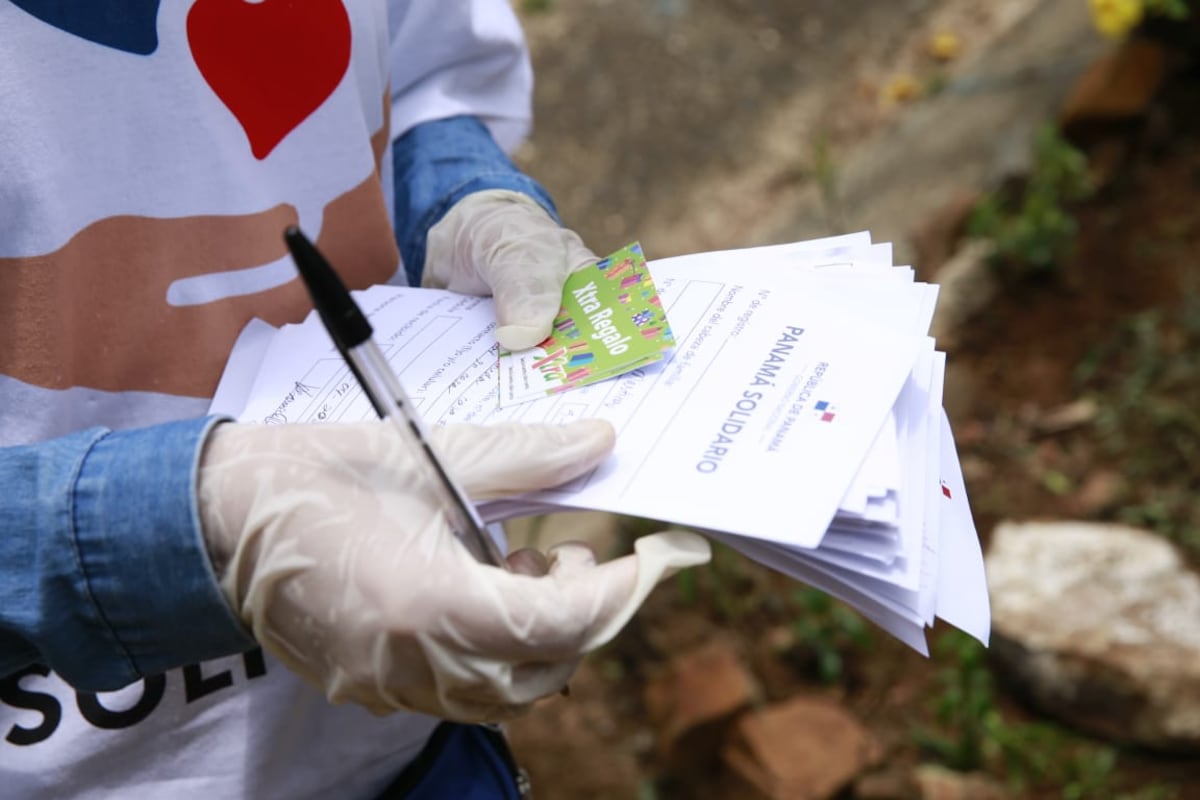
741, 408
798, 417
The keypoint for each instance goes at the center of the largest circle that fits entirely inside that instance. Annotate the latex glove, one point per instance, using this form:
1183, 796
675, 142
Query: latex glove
333, 554
504, 244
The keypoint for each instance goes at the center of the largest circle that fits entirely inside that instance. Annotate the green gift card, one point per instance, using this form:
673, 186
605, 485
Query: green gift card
611, 322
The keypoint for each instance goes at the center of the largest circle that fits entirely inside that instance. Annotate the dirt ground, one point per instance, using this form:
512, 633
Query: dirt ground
1136, 258
686, 123
717, 69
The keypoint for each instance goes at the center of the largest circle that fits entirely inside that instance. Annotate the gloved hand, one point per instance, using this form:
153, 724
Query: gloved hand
335, 555
504, 244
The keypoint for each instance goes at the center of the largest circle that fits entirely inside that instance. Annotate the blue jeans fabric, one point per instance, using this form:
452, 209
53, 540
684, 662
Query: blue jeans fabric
438, 163
85, 517
464, 762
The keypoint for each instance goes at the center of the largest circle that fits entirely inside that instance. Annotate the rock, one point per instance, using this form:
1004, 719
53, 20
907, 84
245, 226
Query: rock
1100, 491
569, 731
1100, 625
771, 660
802, 749
975, 131
970, 433
887, 783
960, 396
691, 701
976, 469
1106, 159
938, 783
937, 236
967, 286
1119, 86
1066, 417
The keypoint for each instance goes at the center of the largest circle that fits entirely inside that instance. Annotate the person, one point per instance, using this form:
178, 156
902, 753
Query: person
193, 607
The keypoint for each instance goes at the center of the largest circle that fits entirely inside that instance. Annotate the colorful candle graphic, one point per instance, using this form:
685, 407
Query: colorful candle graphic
593, 336
620, 269
558, 353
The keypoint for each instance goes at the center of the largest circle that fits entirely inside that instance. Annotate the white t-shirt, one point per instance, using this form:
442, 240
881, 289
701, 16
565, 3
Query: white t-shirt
151, 154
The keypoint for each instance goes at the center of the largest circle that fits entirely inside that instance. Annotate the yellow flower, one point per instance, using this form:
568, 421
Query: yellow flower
900, 89
1115, 18
944, 46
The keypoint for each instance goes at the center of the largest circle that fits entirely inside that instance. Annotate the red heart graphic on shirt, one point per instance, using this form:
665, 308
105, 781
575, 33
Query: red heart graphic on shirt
271, 62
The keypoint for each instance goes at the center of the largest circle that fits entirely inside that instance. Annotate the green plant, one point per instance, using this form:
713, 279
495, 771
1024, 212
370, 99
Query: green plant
825, 173
646, 790
963, 703
1032, 229
1030, 757
1037, 754
729, 584
825, 631
1146, 382
1174, 9
1116, 18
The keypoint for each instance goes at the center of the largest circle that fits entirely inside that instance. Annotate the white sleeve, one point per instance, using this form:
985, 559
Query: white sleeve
452, 57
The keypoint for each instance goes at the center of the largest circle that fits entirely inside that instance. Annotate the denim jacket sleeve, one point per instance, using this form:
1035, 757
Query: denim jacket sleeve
436, 164
104, 576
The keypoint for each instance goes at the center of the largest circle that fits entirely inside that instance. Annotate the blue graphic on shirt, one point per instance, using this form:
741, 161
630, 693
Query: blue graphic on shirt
128, 25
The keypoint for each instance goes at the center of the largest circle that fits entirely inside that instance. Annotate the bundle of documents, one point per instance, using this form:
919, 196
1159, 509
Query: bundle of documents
797, 417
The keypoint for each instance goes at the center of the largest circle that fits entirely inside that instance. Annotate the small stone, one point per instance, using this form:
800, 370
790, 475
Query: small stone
700, 690
806, 748
960, 396
1100, 491
1118, 86
971, 433
895, 783
938, 783
938, 234
1049, 455
1066, 417
560, 729
1106, 158
967, 288
976, 469
1098, 624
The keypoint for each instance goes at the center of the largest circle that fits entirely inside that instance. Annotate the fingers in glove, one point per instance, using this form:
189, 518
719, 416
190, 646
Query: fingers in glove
525, 685
528, 561
505, 244
578, 606
496, 460
527, 276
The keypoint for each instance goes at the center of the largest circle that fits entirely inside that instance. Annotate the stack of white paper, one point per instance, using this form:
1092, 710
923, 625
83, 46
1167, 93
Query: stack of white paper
799, 418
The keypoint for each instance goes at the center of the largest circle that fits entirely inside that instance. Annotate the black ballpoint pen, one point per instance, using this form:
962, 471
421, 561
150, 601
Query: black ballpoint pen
352, 335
